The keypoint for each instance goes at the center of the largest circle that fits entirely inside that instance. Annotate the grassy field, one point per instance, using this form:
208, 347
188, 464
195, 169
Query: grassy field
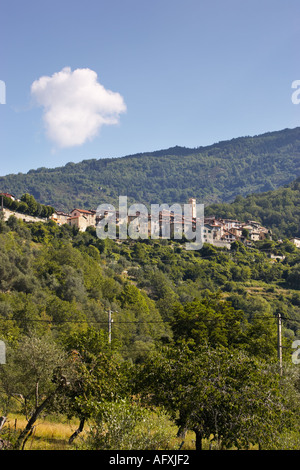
47, 434
54, 434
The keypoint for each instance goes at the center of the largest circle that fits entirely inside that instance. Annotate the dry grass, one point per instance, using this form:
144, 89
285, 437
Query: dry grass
47, 434
54, 435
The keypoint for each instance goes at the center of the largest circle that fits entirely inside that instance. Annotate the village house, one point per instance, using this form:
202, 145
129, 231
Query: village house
230, 223
295, 241
256, 231
216, 226
228, 236
208, 234
88, 215
10, 196
60, 217
236, 231
255, 236
81, 219
79, 222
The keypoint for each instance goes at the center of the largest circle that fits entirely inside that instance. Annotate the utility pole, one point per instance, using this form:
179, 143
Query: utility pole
279, 344
2, 353
110, 320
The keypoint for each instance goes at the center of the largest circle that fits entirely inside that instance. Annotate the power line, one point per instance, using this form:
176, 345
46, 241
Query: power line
28, 320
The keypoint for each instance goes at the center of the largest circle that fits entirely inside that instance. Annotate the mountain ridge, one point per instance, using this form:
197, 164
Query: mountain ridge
213, 174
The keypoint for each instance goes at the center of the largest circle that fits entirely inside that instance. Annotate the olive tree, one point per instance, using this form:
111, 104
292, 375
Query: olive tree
216, 392
34, 374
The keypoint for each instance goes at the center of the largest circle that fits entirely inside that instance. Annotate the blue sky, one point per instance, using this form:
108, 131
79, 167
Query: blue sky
170, 72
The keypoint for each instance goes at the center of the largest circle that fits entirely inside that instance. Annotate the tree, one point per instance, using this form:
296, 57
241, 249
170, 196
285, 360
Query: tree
218, 392
126, 425
99, 377
209, 320
33, 373
31, 203
293, 278
260, 337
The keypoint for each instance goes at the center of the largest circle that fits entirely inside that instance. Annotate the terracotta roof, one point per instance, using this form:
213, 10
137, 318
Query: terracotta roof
82, 210
7, 194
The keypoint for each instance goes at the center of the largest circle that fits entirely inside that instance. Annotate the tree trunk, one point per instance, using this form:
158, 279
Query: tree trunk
2, 421
29, 427
198, 439
36, 394
78, 430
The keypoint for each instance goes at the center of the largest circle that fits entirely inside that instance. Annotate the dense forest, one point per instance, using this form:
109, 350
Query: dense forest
279, 210
193, 346
216, 173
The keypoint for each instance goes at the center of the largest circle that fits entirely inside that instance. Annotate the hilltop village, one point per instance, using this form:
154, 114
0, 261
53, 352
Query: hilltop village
216, 231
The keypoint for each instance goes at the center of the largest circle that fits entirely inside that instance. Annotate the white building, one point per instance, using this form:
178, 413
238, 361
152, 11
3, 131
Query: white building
295, 241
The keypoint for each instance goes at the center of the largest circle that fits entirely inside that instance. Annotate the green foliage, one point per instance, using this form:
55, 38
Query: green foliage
126, 425
57, 286
217, 393
208, 321
216, 173
28, 205
278, 210
99, 377
31, 367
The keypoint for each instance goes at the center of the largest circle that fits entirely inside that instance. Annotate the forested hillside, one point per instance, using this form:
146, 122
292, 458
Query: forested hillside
142, 341
278, 210
174, 311
216, 173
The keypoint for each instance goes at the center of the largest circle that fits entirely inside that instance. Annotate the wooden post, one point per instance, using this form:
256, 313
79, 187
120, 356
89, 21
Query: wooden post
109, 326
279, 344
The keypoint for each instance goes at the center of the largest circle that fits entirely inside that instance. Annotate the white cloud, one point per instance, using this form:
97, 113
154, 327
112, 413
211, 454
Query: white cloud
76, 105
